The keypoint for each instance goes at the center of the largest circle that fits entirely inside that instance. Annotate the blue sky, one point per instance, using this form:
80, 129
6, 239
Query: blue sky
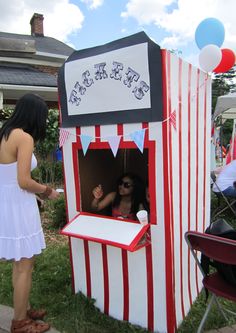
106, 24
88, 23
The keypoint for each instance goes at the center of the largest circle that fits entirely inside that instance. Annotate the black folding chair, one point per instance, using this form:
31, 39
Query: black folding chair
223, 203
222, 250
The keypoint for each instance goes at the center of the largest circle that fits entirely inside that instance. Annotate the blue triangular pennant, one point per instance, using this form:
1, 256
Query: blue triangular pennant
138, 138
85, 142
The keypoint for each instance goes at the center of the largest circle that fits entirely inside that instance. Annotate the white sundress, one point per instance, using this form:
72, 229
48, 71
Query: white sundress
21, 234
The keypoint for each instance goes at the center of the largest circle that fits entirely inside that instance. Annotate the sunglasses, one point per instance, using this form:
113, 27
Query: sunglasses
125, 184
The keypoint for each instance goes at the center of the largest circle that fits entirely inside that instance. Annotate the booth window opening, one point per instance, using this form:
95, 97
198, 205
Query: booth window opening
99, 167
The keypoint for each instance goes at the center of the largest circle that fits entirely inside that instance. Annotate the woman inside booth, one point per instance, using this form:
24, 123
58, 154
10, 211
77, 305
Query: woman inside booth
128, 199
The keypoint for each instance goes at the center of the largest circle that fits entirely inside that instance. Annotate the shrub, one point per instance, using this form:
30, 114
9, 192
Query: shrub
58, 212
48, 172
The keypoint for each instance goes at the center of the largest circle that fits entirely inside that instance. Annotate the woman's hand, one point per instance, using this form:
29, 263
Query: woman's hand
54, 195
98, 192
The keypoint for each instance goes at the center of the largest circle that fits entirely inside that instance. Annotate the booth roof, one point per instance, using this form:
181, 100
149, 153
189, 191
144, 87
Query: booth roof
226, 106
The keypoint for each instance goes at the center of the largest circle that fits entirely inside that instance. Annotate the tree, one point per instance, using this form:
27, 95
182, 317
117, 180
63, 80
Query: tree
222, 84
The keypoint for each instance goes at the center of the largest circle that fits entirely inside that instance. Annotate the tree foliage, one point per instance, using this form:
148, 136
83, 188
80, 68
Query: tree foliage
223, 84
49, 144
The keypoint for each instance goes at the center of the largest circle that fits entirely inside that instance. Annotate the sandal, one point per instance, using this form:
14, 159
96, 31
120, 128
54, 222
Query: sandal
36, 314
28, 326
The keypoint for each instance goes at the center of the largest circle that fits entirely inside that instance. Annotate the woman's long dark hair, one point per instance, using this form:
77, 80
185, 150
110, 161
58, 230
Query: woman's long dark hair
138, 194
30, 114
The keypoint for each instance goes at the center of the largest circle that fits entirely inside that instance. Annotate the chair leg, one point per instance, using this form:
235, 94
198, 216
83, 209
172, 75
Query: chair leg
200, 327
220, 308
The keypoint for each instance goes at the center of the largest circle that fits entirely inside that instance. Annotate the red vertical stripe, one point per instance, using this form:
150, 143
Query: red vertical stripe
170, 310
120, 130
106, 279
76, 169
189, 175
87, 267
98, 133
181, 185
125, 285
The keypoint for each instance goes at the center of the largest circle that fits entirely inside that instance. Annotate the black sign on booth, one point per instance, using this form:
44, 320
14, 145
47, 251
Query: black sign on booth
119, 82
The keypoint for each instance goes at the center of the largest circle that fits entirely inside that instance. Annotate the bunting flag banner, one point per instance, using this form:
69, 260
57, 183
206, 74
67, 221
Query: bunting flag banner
138, 138
63, 136
114, 142
85, 142
173, 119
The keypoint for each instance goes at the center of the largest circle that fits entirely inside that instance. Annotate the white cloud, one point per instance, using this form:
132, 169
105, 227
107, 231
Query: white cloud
146, 11
182, 21
93, 4
61, 18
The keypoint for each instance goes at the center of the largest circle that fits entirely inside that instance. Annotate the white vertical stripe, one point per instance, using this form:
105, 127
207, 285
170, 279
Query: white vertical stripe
69, 172
116, 290
78, 261
193, 183
159, 277
137, 287
96, 272
108, 130
88, 130
201, 150
185, 180
129, 128
208, 152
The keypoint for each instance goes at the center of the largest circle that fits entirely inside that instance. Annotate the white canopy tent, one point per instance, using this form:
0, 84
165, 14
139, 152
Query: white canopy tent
225, 109
226, 106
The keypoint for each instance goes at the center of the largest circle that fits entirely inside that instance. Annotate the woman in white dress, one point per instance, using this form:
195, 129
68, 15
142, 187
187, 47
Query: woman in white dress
21, 235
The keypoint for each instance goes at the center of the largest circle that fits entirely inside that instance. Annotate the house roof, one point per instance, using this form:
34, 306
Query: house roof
25, 75
42, 43
22, 58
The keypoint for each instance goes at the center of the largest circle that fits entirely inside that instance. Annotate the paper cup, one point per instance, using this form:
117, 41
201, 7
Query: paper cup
142, 216
60, 190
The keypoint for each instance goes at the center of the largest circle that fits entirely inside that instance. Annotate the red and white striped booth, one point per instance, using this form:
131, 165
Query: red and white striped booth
129, 106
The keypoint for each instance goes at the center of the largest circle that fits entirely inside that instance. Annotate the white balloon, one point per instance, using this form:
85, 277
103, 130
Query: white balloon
210, 57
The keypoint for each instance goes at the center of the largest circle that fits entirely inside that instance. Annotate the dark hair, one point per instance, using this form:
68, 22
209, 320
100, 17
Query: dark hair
30, 114
137, 195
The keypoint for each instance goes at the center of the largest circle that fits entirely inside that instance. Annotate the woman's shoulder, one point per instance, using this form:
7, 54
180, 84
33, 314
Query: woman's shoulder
20, 135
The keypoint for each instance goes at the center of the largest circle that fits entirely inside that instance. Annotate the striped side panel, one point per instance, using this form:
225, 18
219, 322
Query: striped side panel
188, 165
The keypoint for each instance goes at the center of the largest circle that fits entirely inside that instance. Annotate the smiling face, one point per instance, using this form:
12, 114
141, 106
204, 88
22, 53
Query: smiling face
125, 186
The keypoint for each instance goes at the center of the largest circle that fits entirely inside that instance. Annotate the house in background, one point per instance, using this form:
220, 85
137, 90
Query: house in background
30, 63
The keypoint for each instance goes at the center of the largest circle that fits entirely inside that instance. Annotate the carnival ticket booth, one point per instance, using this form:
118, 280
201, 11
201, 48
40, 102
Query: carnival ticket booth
130, 106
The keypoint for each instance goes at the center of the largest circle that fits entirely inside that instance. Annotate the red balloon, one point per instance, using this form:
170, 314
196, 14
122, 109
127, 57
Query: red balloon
227, 61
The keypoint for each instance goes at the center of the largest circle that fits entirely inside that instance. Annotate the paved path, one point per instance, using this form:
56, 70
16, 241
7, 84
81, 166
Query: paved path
6, 314
228, 329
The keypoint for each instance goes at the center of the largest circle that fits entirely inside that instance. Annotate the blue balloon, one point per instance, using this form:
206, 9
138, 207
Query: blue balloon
210, 31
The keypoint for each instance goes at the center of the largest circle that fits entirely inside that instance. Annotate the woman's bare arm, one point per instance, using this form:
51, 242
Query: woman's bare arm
99, 204
24, 151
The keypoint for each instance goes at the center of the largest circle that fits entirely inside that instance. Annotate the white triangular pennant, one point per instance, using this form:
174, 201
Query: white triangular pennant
138, 138
114, 142
85, 142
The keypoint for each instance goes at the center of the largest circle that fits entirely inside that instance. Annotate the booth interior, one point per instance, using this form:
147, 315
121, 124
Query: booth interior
99, 166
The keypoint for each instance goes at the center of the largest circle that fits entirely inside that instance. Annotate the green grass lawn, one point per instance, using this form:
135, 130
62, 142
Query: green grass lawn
71, 313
